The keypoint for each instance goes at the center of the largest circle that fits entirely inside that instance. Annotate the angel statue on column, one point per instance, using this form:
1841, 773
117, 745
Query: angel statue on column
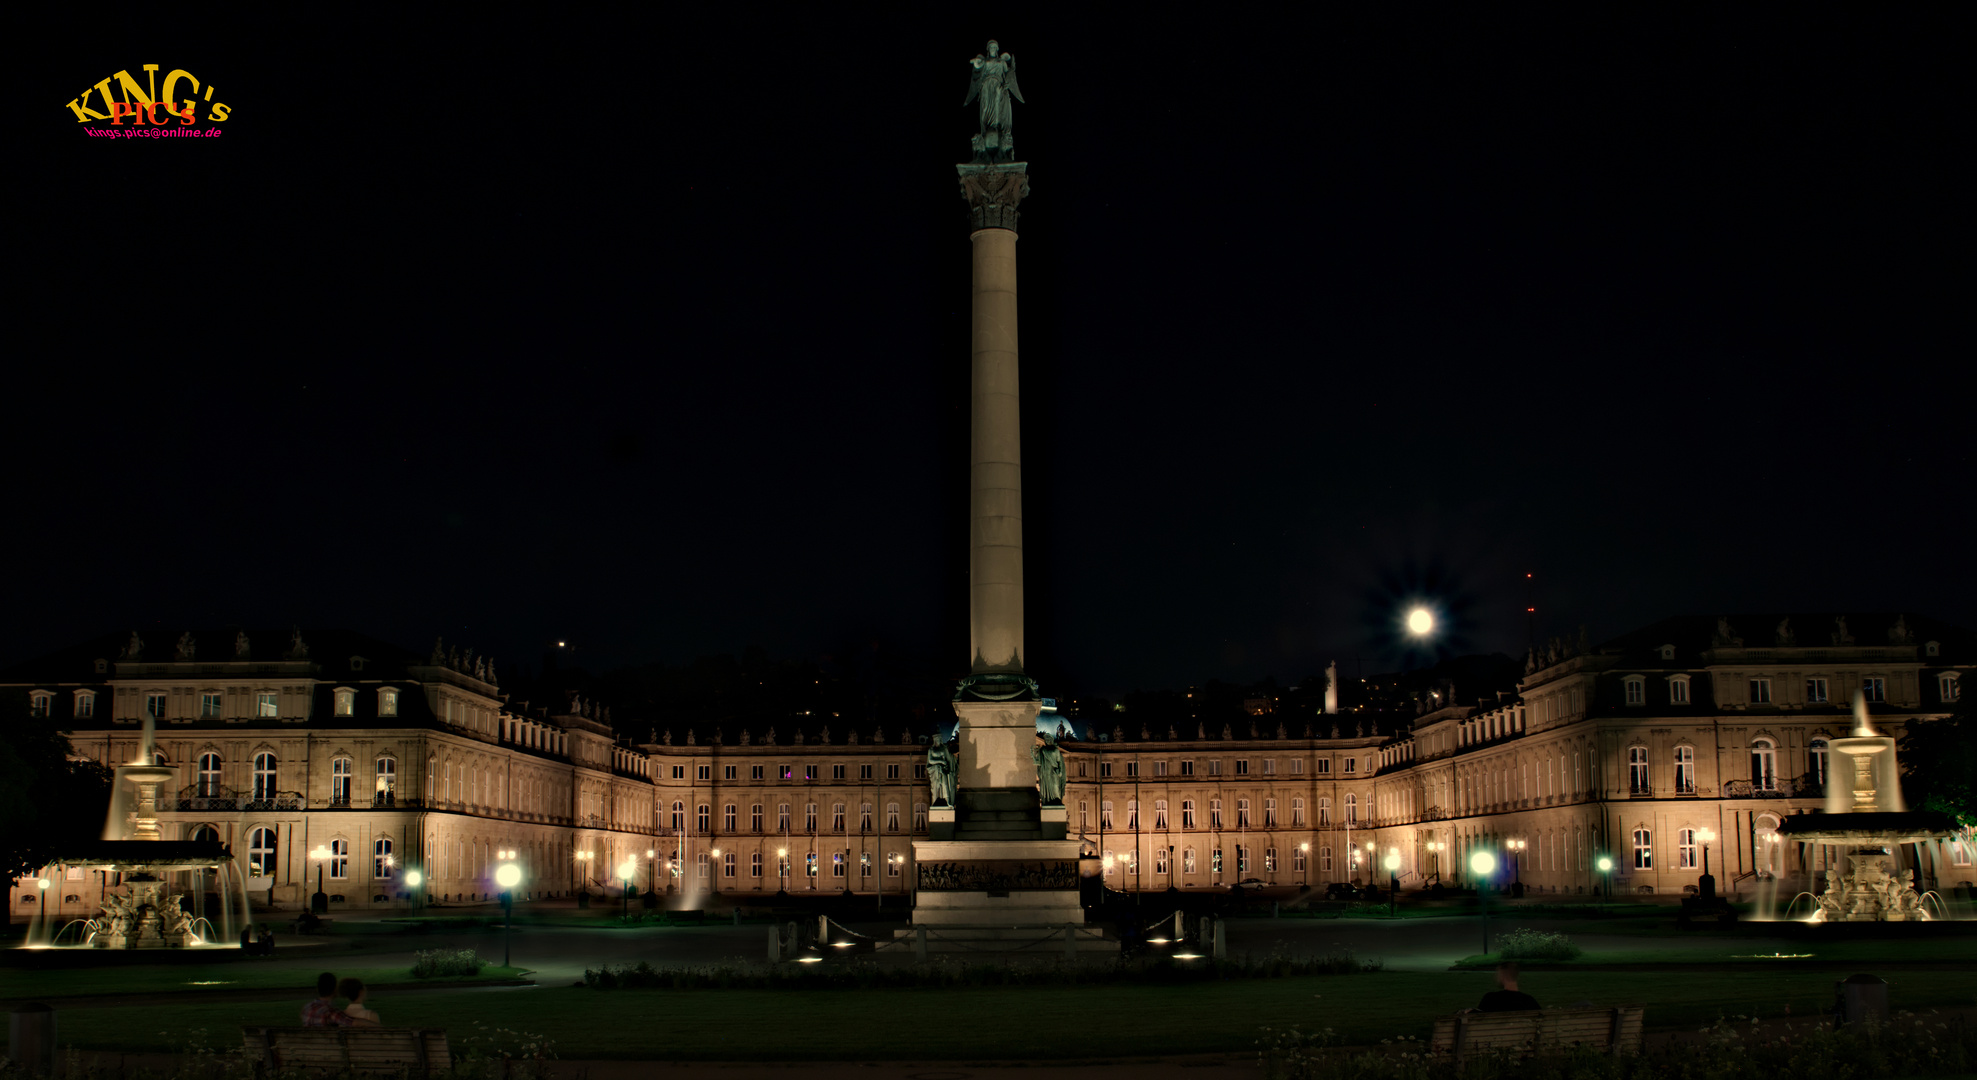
993, 84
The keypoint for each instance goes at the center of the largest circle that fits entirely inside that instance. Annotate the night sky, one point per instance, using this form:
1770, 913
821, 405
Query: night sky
652, 336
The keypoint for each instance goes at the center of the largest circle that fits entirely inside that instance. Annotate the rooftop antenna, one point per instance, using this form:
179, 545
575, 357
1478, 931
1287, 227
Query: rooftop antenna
1530, 613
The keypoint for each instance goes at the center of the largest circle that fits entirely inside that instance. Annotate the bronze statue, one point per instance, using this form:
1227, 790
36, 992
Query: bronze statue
1049, 759
942, 765
993, 84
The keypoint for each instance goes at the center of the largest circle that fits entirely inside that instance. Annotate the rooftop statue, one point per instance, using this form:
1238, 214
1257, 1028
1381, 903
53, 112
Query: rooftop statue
992, 85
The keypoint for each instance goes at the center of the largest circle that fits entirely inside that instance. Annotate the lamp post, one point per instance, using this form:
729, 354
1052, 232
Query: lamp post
782, 869
507, 875
415, 881
1372, 872
1393, 881
1483, 864
1706, 885
41, 893
627, 870
651, 877
1516, 847
1605, 865
319, 903
1435, 859
713, 870
584, 859
1304, 868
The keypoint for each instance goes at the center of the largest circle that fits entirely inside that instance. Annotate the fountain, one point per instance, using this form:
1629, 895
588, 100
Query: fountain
149, 915
1867, 819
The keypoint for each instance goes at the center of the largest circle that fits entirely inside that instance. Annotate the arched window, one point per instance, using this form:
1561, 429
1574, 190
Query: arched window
260, 851
1685, 849
387, 783
387, 701
1636, 688
1324, 810
1187, 860
728, 864
1297, 860
264, 775
346, 702
1351, 807
810, 864
209, 775
1764, 765
205, 834
679, 817
1297, 812
339, 860
339, 785
1643, 849
1324, 860
1685, 770
1637, 771
381, 859
1815, 764
1187, 814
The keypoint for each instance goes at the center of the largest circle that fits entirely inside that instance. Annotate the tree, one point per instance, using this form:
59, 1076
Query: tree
48, 801
1939, 762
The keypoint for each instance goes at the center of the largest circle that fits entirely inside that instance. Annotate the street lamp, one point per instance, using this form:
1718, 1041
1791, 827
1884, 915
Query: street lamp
627, 870
782, 869
41, 891
413, 881
1483, 864
507, 875
1706, 885
319, 903
1435, 859
1605, 865
1371, 847
713, 869
651, 877
1516, 864
1304, 864
1393, 880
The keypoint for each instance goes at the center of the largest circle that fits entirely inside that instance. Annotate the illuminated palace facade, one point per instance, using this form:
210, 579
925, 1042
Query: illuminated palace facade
355, 760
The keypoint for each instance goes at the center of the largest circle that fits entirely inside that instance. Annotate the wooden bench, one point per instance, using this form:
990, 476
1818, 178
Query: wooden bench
1615, 1030
412, 1051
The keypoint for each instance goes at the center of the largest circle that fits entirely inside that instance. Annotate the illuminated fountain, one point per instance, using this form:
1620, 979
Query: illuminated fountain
1866, 819
149, 915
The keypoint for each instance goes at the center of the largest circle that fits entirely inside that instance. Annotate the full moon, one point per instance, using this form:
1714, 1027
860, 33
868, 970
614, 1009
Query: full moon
1419, 621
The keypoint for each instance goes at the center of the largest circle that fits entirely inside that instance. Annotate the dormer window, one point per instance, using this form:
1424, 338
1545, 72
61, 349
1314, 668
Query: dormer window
1678, 689
1636, 688
41, 703
1949, 686
356, 663
346, 701
85, 704
103, 666
387, 701
1929, 648
1668, 652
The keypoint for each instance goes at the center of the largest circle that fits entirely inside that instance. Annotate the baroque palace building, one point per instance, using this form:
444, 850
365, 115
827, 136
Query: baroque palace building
335, 757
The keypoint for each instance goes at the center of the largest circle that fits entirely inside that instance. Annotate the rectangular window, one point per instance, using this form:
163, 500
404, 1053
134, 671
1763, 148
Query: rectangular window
1269, 860
755, 772
1815, 691
810, 817
919, 817
154, 704
1160, 861
1637, 771
1636, 692
1948, 687
1297, 860
810, 772
782, 817
209, 706
1187, 767
41, 705
730, 814
837, 864
1875, 689
1678, 691
1242, 813
1297, 766
1643, 849
1685, 849
892, 772
1215, 861
919, 770
1269, 813
679, 772
837, 817
1187, 813
703, 772
267, 706
1105, 768
785, 772
86, 704
728, 772
864, 817
1685, 770
1160, 813
1214, 813
1160, 767
892, 817
1297, 812
1324, 766
864, 772
382, 862
837, 772
1132, 768
1105, 814
1187, 860
1133, 814
755, 817
339, 860
1242, 766
1269, 766
1214, 766
728, 864
1760, 691
1352, 764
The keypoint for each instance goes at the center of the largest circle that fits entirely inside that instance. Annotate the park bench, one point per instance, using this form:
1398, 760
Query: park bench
1615, 1030
411, 1051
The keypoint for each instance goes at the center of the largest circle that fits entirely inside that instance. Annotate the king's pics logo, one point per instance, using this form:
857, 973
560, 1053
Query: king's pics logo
149, 104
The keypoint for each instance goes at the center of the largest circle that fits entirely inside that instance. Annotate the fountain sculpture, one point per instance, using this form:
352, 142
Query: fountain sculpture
1866, 819
150, 915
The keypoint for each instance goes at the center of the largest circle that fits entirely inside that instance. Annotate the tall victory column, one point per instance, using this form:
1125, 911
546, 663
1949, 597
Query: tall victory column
996, 865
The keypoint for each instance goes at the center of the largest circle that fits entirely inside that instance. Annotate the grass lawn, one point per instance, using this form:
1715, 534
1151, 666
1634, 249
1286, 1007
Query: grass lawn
1734, 951
1003, 1023
85, 982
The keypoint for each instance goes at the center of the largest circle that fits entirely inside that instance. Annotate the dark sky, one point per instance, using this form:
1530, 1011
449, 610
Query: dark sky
652, 336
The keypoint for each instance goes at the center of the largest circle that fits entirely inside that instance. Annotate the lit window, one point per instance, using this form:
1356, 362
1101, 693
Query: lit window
209, 776
339, 860
260, 852
1636, 690
1160, 861
1637, 771
267, 706
387, 702
1187, 860
810, 864
1269, 860
1643, 849
1815, 691
1215, 861
893, 862
346, 702
1764, 765
381, 860
387, 778
1760, 691
264, 776
1876, 689
1678, 690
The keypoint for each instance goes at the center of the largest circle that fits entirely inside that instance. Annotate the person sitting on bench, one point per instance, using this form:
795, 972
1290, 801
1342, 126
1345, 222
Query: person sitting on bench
1509, 998
321, 1011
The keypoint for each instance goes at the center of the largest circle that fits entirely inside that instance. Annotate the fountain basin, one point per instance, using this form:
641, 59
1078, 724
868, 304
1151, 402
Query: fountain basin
1866, 828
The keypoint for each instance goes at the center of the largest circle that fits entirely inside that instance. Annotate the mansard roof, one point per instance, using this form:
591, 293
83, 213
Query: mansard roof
1693, 635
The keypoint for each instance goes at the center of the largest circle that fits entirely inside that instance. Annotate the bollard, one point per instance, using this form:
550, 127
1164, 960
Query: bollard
1180, 928
31, 1038
775, 944
1273, 909
1860, 998
920, 944
823, 931
1221, 947
1207, 937
736, 912
1070, 941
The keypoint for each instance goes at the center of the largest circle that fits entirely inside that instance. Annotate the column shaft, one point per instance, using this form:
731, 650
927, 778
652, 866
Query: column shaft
995, 599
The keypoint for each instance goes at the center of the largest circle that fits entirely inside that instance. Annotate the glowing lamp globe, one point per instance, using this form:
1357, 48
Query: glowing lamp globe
508, 875
1393, 861
42, 884
414, 879
1420, 622
626, 870
1605, 864
1483, 863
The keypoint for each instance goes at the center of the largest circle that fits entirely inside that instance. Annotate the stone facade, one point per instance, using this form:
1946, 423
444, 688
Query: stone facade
1619, 749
